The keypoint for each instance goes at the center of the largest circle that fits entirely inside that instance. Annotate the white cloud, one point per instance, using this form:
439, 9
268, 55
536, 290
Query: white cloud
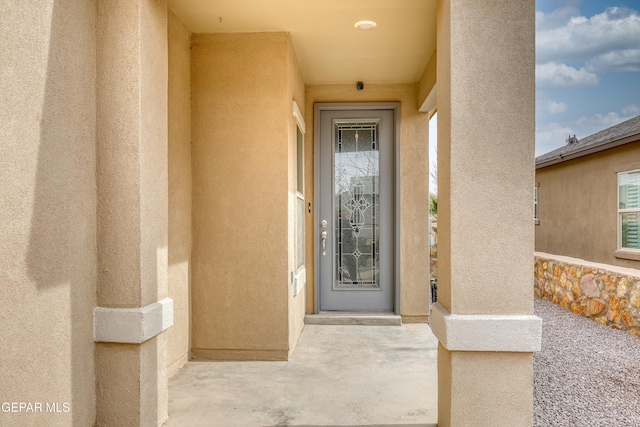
558, 75
581, 38
552, 136
631, 110
556, 107
619, 61
556, 19
597, 122
588, 125
576, 51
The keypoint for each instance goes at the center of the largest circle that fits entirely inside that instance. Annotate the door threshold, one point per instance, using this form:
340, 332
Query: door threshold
353, 318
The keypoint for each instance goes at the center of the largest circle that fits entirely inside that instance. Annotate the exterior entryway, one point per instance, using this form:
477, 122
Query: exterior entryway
355, 225
165, 193
337, 376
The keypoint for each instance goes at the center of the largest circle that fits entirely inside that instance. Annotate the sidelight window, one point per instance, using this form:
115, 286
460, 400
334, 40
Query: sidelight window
299, 276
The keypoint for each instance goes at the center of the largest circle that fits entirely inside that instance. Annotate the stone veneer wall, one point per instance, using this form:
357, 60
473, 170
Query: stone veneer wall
605, 293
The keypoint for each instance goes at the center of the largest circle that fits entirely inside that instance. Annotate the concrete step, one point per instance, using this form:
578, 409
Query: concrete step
348, 318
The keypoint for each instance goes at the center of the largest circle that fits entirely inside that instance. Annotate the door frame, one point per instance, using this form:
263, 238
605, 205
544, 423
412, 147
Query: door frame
346, 106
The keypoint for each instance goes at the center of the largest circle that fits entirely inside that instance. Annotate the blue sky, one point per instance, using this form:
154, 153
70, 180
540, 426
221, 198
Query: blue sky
587, 67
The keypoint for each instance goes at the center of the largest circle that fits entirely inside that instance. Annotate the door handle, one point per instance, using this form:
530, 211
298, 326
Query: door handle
323, 236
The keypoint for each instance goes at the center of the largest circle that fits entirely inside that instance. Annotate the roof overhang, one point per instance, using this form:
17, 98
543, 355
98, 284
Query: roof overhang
588, 151
329, 49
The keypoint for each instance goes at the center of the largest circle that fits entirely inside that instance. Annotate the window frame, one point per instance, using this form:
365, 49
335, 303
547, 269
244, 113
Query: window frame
300, 240
536, 205
299, 276
620, 211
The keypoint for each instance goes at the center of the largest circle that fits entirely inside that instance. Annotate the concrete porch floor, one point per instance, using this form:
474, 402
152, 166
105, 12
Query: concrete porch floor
337, 376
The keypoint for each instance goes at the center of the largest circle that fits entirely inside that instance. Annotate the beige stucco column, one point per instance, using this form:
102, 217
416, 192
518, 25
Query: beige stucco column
484, 320
131, 180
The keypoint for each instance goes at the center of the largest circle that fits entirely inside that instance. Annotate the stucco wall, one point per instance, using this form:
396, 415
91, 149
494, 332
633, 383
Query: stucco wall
132, 205
241, 130
132, 152
414, 191
577, 205
480, 183
486, 139
179, 159
427, 81
48, 209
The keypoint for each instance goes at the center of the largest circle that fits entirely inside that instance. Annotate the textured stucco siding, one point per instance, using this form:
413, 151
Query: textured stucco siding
179, 191
240, 129
48, 209
578, 206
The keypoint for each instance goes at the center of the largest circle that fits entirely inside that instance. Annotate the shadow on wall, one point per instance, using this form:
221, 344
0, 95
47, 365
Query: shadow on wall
61, 257
180, 189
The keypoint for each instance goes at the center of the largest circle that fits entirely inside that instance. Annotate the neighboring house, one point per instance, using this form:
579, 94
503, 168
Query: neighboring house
588, 197
167, 192
587, 207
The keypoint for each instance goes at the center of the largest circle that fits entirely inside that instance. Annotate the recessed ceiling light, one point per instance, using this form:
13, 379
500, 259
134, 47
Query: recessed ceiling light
365, 25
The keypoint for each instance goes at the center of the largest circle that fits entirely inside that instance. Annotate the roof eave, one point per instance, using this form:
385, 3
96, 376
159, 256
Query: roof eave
588, 151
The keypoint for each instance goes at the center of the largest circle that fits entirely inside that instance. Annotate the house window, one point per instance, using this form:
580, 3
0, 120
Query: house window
299, 276
300, 231
629, 210
535, 203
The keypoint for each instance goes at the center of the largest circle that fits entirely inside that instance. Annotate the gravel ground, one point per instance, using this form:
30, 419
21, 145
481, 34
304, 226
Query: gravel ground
587, 374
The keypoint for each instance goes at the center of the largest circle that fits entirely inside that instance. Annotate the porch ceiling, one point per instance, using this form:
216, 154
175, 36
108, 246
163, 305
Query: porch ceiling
328, 47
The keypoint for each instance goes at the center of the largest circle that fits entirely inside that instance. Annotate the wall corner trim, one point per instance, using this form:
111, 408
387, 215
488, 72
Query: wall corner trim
482, 332
132, 325
299, 119
299, 280
430, 102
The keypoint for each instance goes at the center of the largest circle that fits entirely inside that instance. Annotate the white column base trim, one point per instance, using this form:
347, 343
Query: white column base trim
132, 325
486, 332
299, 280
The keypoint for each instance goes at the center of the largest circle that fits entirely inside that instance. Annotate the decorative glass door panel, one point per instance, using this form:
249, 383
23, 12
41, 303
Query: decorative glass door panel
357, 230
355, 223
